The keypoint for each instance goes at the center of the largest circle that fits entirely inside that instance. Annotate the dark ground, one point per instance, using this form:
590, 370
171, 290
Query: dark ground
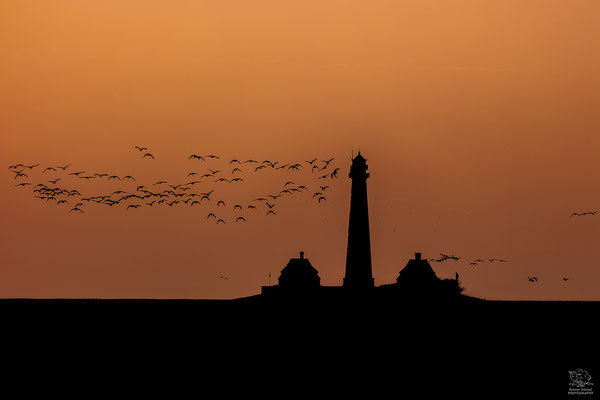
519, 349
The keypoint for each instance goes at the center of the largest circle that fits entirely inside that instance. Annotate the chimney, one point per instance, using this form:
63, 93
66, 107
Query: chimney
302, 255
418, 256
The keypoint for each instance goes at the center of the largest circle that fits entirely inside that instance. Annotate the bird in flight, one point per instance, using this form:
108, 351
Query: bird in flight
211, 156
327, 162
48, 169
223, 180
128, 177
61, 202
64, 168
236, 169
220, 220
54, 181
311, 161
132, 206
565, 279
270, 212
220, 202
270, 205
237, 180
234, 161
496, 259
76, 209
23, 184
196, 156
113, 177
532, 279
141, 148
251, 161
237, 206
211, 215
334, 173
20, 173
321, 198
240, 219
148, 155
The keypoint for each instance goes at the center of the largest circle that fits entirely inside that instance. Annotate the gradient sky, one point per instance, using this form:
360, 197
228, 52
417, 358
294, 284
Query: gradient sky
479, 121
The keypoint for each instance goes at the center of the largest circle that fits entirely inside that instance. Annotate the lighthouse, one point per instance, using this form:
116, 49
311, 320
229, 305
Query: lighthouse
359, 274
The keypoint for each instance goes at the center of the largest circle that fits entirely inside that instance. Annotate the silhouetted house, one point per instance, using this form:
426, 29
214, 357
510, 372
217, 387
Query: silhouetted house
417, 277
417, 272
298, 276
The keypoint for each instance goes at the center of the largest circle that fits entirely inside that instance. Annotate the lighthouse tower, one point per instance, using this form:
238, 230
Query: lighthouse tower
358, 257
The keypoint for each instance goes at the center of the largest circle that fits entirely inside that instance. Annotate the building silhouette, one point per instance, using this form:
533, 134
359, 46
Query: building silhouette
299, 274
417, 272
418, 278
299, 279
358, 255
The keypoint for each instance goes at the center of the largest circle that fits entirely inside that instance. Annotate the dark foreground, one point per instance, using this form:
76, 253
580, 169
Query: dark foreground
465, 346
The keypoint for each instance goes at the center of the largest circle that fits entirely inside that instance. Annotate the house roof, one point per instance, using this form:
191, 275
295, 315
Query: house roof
418, 269
298, 268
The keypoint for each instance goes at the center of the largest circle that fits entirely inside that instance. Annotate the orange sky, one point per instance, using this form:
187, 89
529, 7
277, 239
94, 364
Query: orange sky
479, 121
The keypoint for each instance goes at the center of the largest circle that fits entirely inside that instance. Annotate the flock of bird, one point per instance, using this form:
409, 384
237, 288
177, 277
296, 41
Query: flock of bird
168, 194
576, 214
532, 279
446, 257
